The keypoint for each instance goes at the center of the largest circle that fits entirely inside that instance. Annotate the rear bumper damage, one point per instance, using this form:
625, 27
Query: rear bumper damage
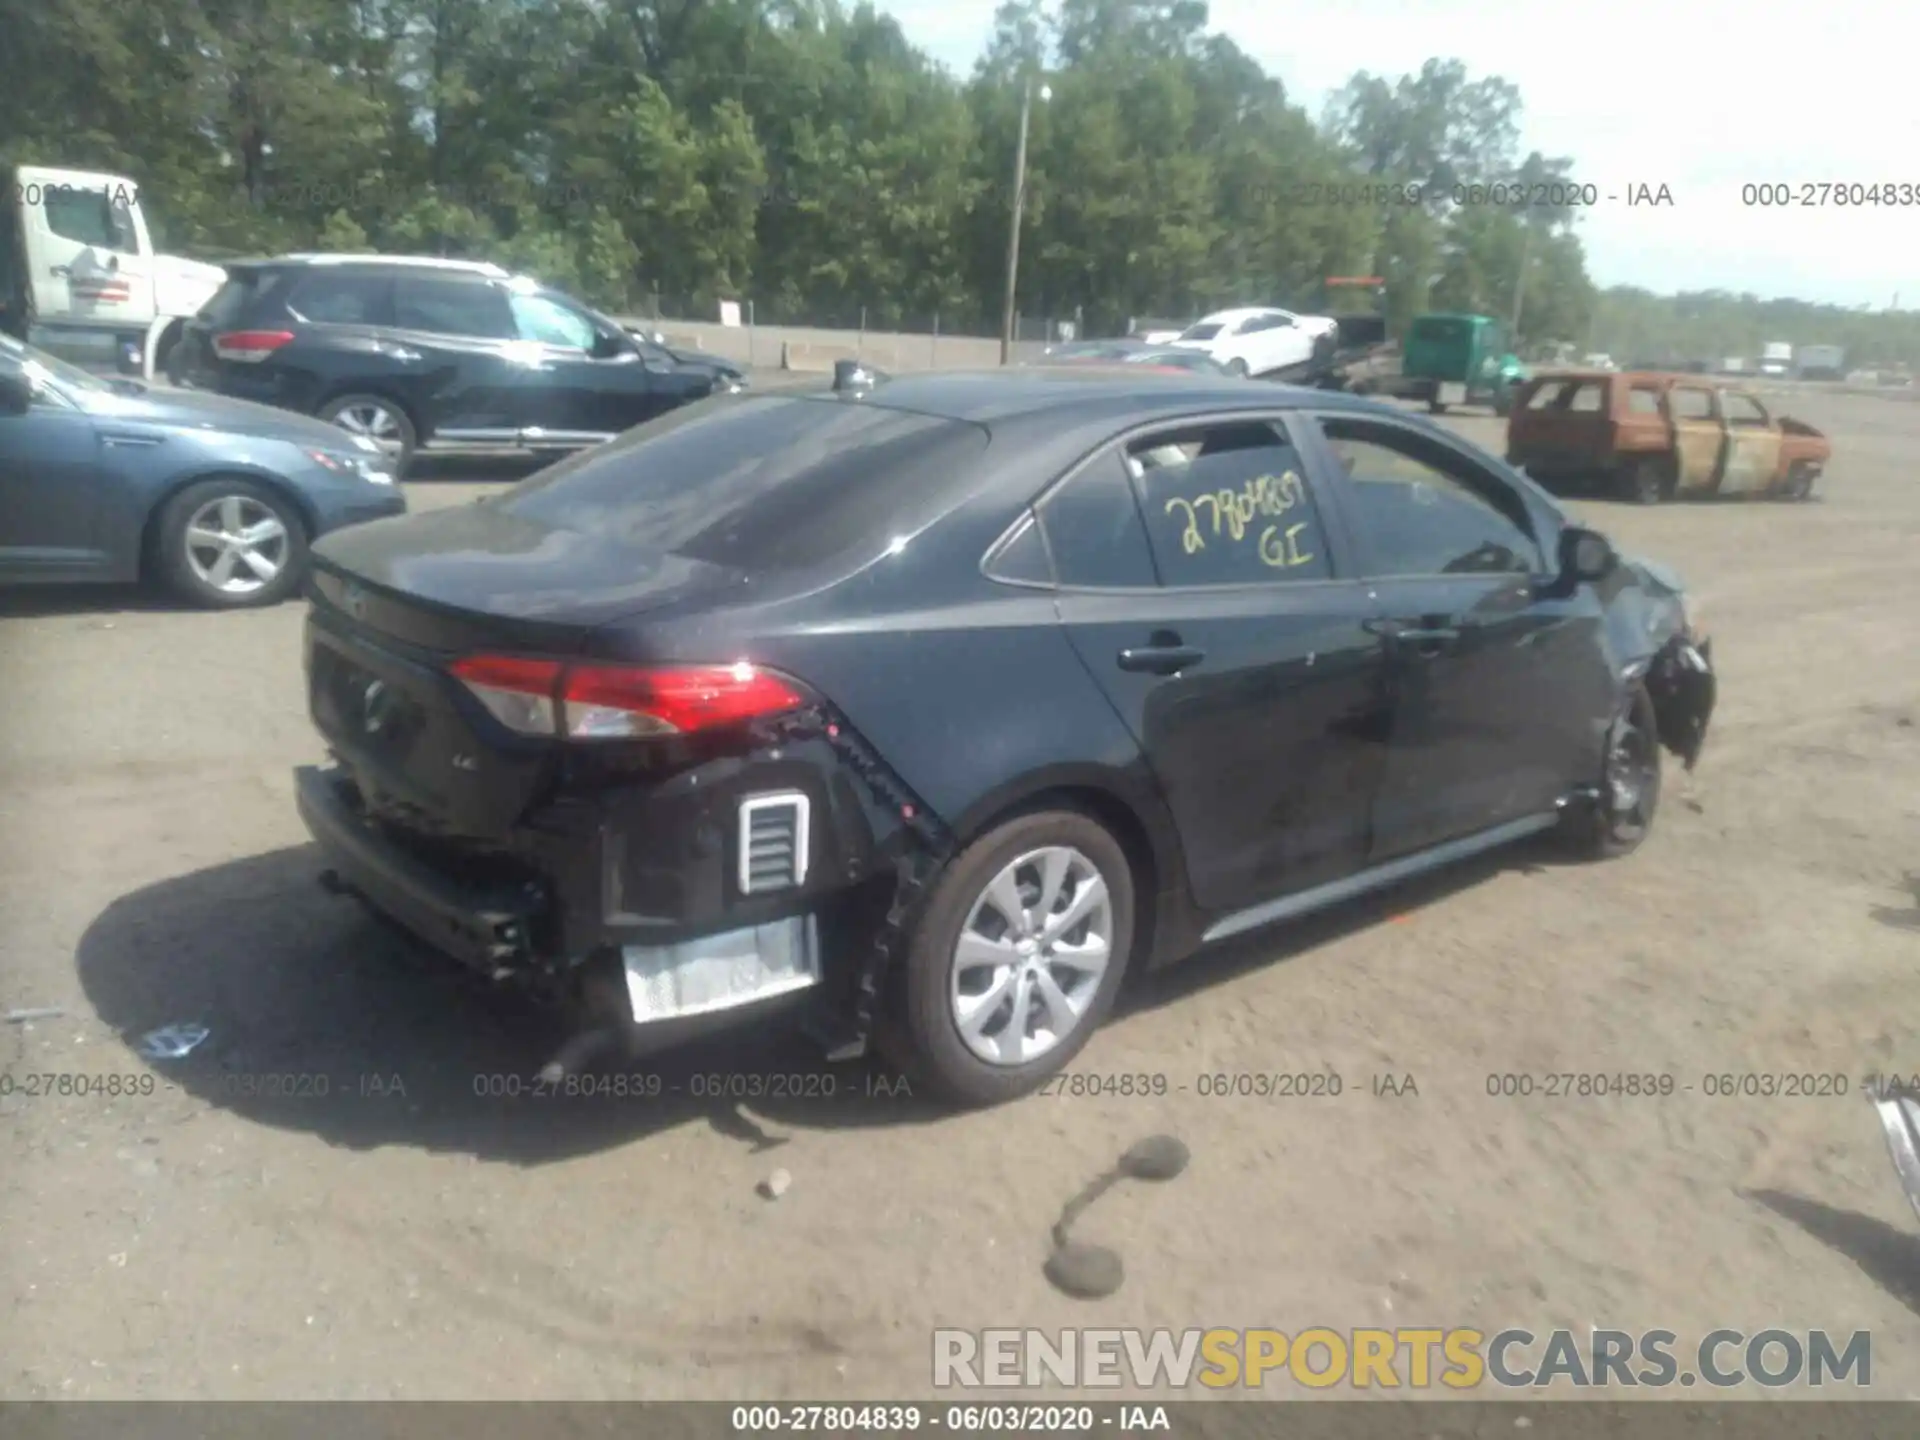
1681, 681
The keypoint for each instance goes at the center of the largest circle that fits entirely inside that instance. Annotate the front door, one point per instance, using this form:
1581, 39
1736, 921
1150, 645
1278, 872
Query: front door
464, 328
1753, 445
1699, 438
585, 384
85, 249
49, 492
1203, 587
1490, 681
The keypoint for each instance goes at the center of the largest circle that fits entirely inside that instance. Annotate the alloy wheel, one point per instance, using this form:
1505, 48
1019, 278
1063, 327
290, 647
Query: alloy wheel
375, 421
236, 544
1031, 955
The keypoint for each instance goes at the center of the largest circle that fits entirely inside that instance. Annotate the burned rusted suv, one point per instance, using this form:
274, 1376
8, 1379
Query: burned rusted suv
1651, 437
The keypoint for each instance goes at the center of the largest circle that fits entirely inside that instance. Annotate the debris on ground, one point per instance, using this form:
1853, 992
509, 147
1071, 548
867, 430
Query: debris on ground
1093, 1272
38, 1012
172, 1042
775, 1185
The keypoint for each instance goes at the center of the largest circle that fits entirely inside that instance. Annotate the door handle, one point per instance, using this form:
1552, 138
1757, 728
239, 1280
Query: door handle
1412, 632
1161, 659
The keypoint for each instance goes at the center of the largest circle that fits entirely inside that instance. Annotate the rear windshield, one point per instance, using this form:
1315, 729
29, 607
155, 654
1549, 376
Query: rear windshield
1448, 328
770, 483
1200, 332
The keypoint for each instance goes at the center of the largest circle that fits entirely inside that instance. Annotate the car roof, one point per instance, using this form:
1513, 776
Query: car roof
1017, 393
395, 262
1245, 312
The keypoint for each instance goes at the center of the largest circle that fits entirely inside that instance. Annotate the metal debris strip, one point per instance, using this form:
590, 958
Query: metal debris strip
37, 1012
172, 1042
1900, 1118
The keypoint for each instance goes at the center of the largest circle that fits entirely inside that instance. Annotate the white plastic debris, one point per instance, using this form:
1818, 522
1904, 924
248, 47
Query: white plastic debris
775, 1185
38, 1012
172, 1042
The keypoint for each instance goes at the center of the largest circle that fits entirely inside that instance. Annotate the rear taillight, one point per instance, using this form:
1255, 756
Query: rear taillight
250, 346
522, 695
622, 702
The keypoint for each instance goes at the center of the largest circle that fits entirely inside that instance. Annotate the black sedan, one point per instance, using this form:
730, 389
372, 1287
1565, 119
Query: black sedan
946, 701
420, 353
107, 480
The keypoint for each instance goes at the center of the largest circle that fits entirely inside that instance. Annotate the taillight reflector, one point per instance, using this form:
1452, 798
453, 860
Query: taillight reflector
250, 346
622, 702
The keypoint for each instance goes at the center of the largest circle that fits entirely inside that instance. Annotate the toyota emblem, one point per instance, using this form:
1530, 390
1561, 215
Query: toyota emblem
375, 707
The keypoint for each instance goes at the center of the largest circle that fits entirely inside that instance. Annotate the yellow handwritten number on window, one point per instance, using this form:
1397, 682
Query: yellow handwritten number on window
1232, 511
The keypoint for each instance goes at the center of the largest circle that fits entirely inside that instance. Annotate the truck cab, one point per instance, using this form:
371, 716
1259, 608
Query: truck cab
79, 277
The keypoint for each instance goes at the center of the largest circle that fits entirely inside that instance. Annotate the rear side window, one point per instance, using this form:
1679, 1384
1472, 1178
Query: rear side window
1743, 409
1587, 398
1093, 529
470, 308
334, 297
1643, 400
1690, 404
769, 483
1226, 505
232, 301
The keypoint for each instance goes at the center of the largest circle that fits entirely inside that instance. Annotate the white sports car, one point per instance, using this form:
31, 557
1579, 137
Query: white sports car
1258, 340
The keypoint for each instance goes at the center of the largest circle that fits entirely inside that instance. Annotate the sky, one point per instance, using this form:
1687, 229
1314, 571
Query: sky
1701, 96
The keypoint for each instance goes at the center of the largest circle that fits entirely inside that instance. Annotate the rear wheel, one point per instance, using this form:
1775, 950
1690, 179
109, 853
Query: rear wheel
1629, 783
376, 418
228, 544
1798, 485
1016, 959
1646, 481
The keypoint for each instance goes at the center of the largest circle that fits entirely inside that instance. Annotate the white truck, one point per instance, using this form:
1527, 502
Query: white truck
1776, 358
79, 277
1820, 362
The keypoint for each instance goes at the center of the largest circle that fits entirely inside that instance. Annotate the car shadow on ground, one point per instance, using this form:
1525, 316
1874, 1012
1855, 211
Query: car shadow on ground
1890, 1257
322, 1019
37, 602
481, 467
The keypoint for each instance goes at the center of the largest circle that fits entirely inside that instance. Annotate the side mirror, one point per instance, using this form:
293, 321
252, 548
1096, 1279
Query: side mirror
607, 345
16, 394
1586, 556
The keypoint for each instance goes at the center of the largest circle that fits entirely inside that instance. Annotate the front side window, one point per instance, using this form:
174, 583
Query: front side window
1690, 403
1425, 509
541, 318
1227, 504
90, 217
1743, 410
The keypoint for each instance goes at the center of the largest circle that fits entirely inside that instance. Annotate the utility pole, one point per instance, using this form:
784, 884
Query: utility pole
1520, 281
1013, 230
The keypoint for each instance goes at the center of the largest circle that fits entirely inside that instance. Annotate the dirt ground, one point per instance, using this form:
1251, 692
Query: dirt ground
405, 1237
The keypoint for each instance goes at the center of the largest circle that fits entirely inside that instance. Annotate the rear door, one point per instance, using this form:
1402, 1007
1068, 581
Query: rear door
1493, 683
1204, 586
1753, 445
1561, 425
1699, 437
479, 393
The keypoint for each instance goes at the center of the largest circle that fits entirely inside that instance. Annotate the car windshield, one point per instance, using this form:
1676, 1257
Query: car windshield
1206, 330
38, 366
770, 483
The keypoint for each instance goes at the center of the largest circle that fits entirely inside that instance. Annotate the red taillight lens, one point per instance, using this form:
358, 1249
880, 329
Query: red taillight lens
624, 702
621, 702
522, 695
250, 346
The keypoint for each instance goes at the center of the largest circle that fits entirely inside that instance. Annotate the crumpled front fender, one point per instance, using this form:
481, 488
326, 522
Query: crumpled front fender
1680, 680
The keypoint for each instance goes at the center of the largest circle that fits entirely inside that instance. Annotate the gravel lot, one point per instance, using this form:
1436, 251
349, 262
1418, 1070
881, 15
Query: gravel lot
402, 1237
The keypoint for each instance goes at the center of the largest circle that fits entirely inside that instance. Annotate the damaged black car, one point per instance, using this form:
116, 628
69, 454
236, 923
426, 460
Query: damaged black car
933, 707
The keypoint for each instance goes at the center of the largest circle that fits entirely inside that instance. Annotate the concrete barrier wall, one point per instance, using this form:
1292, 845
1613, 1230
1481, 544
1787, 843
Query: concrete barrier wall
810, 349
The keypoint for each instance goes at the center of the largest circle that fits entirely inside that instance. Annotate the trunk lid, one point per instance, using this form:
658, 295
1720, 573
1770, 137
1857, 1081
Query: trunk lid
394, 604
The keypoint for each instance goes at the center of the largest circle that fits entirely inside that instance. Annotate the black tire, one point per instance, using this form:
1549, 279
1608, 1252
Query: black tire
1436, 406
922, 1037
405, 436
1797, 488
1645, 481
1237, 366
1503, 401
174, 556
1609, 829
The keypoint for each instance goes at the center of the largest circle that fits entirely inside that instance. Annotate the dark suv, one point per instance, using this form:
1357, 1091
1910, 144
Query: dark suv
424, 353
